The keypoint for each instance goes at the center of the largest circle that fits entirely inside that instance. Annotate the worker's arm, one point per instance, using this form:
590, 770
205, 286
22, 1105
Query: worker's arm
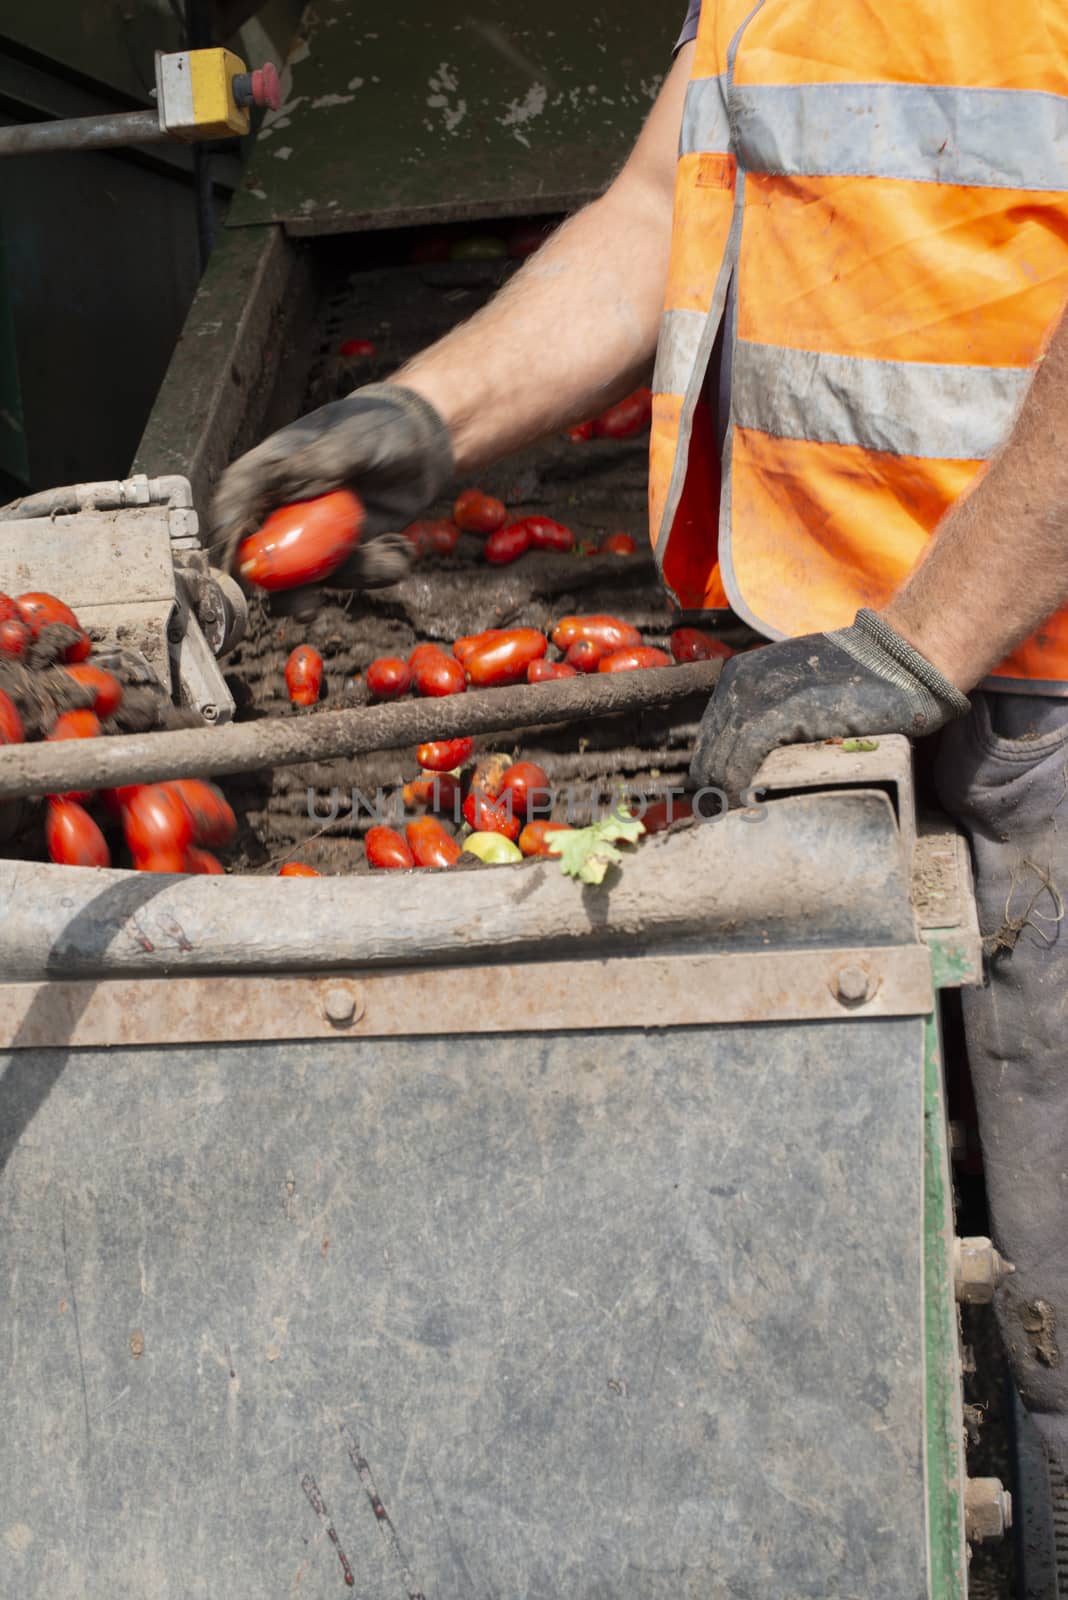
995, 569
573, 330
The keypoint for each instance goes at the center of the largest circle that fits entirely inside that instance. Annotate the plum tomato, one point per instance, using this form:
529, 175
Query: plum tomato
388, 678
692, 644
507, 544
297, 869
436, 674
385, 848
304, 675
505, 658
104, 686
617, 544
633, 658
444, 754
156, 822
303, 542
429, 843
484, 814
528, 784
214, 822
476, 512
72, 837
546, 671
533, 841
611, 632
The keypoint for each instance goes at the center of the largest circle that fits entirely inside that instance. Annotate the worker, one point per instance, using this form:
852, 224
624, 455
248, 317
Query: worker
860, 235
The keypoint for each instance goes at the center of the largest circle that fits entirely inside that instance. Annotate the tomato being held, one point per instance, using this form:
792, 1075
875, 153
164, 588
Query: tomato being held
429, 843
39, 610
304, 675
388, 678
506, 657
385, 848
546, 671
11, 729
692, 644
444, 754
72, 837
14, 636
476, 512
302, 543
507, 544
104, 686
633, 659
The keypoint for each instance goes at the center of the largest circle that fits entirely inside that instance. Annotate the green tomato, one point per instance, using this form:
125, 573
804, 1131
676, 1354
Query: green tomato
493, 848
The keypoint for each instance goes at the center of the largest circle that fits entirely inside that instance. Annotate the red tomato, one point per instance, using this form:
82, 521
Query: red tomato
303, 542
437, 537
297, 869
105, 688
580, 432
629, 416
156, 823
612, 632
444, 754
213, 818
38, 609
476, 512
633, 658
586, 547
75, 725
584, 654
487, 815
430, 845
545, 534
161, 861
8, 608
436, 674
546, 671
203, 863
691, 644
533, 841
462, 648
14, 636
304, 675
388, 678
384, 847
662, 813
528, 784
72, 837
354, 349
434, 791
505, 659
11, 729
618, 544
507, 544
116, 800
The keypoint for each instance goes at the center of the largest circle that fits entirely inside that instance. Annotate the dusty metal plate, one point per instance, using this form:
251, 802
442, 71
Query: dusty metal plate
634, 992
436, 109
633, 1317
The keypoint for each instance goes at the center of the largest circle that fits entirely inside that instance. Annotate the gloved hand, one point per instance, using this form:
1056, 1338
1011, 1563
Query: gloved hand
858, 680
384, 442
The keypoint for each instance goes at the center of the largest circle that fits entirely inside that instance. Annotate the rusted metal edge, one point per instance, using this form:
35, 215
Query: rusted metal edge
580, 995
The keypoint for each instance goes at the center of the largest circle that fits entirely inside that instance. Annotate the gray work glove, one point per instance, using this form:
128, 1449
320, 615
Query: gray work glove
384, 442
858, 680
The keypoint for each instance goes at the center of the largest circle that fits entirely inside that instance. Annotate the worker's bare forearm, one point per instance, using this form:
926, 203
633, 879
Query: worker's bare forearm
576, 328
998, 564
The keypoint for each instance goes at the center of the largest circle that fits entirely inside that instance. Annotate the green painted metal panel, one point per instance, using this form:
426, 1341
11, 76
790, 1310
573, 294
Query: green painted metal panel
446, 108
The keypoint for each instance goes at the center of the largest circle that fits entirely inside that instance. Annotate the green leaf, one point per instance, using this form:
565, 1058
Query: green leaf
854, 747
587, 853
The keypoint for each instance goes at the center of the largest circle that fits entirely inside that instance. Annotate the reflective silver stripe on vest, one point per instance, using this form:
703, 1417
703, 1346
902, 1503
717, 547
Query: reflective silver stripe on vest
1004, 138
908, 408
704, 117
677, 350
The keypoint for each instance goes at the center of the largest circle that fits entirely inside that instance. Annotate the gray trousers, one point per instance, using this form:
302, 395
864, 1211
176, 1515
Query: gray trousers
1002, 773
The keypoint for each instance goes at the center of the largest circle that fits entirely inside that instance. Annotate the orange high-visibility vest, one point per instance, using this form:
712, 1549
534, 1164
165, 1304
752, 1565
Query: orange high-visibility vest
888, 188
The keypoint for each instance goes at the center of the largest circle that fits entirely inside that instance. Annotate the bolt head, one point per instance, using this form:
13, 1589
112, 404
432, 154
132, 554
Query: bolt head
853, 985
339, 1007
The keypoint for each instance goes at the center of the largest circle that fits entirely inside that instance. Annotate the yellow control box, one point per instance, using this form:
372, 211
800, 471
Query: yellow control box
195, 94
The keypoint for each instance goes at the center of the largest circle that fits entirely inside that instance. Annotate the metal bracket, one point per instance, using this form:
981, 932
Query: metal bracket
622, 992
